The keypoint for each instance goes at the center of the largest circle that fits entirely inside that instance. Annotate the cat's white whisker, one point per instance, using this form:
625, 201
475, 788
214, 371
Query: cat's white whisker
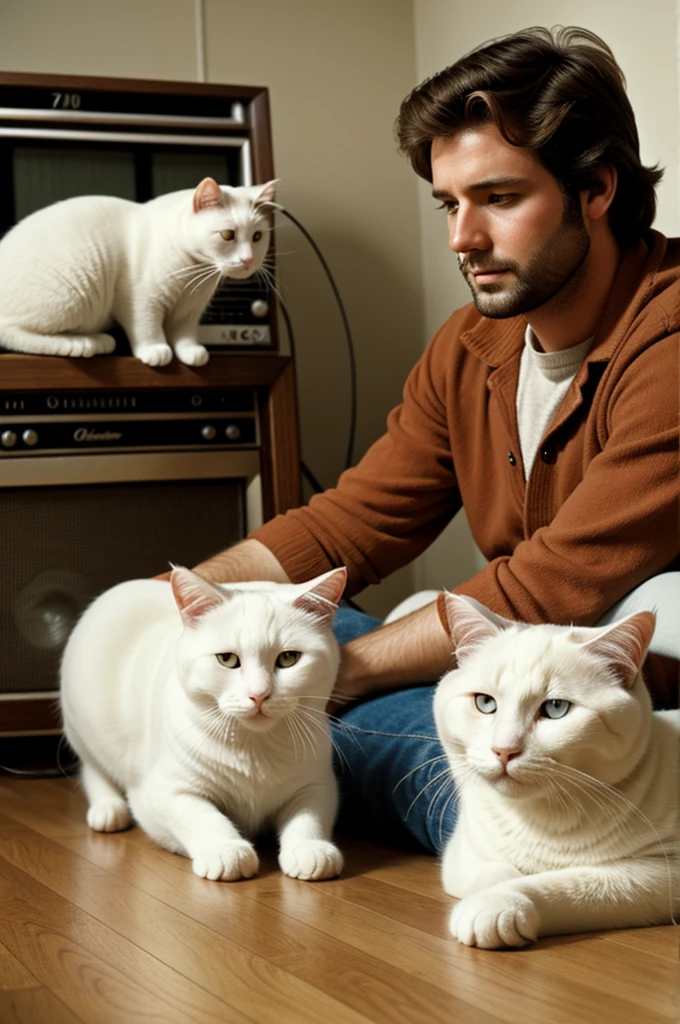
423, 764
430, 782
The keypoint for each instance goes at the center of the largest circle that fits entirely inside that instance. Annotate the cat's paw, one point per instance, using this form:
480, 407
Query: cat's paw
86, 346
494, 919
311, 860
228, 862
108, 815
158, 354
191, 353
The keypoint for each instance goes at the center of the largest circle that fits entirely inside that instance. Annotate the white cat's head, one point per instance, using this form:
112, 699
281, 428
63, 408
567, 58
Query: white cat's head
254, 653
530, 707
230, 227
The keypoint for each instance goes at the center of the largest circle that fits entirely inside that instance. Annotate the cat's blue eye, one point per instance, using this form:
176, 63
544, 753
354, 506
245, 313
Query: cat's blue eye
229, 660
484, 703
287, 659
555, 708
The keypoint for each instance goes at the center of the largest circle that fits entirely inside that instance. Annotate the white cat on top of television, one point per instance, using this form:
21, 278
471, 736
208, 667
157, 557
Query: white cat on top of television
71, 270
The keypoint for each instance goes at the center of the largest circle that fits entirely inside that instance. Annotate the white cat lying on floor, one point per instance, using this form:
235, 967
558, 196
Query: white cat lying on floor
72, 269
208, 722
569, 783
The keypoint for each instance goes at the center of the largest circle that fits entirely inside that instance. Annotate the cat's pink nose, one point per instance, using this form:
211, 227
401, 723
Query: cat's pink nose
505, 754
258, 699
246, 261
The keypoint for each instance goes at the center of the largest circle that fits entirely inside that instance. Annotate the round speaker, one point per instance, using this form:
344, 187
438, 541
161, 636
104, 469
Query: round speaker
47, 608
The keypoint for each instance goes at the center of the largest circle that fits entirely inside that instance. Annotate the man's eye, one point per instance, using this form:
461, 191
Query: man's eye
449, 206
501, 198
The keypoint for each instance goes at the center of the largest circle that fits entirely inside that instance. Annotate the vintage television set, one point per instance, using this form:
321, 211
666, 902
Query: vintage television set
110, 469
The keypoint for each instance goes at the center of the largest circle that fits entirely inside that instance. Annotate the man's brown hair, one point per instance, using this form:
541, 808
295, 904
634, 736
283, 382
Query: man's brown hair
561, 94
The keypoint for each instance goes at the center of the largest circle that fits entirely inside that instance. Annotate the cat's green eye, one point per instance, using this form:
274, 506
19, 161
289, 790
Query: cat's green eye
257, 236
484, 703
555, 708
287, 659
229, 660
229, 235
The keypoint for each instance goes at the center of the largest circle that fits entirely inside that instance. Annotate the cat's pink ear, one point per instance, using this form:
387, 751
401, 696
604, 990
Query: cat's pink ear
194, 596
267, 193
470, 624
323, 594
623, 645
207, 194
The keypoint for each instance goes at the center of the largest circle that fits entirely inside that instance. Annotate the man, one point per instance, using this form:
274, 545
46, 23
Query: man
548, 407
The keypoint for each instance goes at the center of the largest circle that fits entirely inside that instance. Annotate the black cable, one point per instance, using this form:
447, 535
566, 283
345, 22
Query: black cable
306, 471
348, 335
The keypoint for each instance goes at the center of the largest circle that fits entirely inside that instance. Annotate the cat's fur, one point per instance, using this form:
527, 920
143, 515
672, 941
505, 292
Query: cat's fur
203, 755
565, 824
71, 270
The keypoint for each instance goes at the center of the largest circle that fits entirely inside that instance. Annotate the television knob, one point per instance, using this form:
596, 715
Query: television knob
259, 308
233, 432
208, 433
8, 439
29, 437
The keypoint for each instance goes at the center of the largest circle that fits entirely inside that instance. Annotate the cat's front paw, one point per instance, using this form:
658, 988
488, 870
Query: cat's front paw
228, 862
494, 919
108, 815
191, 353
311, 860
158, 354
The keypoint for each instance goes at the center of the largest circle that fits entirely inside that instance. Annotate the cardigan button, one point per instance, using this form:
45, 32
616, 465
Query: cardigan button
511, 459
548, 456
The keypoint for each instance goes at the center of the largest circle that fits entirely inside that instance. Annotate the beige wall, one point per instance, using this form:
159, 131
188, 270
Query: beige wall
644, 39
336, 72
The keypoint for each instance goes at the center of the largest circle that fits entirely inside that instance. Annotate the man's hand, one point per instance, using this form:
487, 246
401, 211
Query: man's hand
412, 651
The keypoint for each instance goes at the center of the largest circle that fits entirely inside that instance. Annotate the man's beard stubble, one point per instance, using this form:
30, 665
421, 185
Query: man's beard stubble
556, 266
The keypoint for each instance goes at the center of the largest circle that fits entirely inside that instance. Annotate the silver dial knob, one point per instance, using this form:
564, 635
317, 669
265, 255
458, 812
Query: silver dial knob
233, 432
259, 308
29, 437
208, 432
8, 439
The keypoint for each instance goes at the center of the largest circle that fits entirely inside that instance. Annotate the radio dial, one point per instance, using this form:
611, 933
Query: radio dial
30, 438
8, 439
259, 308
52, 402
233, 432
208, 433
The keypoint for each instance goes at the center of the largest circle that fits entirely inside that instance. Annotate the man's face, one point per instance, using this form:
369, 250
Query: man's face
519, 242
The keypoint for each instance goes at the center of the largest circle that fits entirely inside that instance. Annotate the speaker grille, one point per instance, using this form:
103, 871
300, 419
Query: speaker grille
61, 546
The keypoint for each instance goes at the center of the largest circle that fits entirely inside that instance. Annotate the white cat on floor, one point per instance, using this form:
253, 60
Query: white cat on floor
71, 270
199, 708
569, 816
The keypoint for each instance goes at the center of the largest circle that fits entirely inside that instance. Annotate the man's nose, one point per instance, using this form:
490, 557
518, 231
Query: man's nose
467, 232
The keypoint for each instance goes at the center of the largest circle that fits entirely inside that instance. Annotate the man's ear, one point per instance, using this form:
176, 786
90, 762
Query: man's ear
596, 200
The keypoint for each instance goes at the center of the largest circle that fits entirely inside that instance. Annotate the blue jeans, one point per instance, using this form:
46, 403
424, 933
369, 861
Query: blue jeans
391, 768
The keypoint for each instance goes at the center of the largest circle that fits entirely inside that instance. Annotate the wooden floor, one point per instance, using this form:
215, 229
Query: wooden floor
100, 929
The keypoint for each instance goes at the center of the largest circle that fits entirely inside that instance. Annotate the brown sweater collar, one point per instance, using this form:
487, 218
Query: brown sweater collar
500, 341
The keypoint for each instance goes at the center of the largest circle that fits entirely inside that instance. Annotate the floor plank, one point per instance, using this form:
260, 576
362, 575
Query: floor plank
110, 928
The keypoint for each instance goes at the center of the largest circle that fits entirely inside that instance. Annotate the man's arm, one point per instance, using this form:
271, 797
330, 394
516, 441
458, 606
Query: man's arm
248, 560
409, 652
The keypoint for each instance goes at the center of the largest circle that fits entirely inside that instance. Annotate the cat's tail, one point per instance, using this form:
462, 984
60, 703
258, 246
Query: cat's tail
18, 339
